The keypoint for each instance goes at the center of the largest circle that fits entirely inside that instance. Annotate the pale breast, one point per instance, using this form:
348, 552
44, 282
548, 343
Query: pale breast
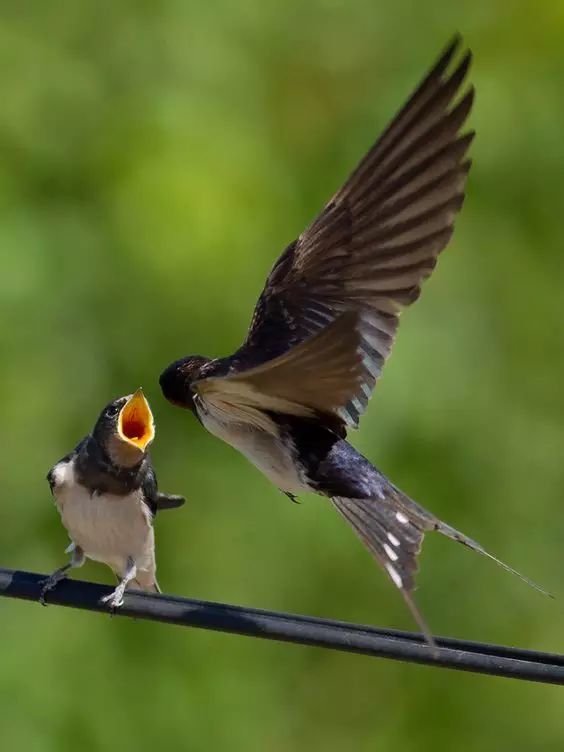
108, 528
264, 450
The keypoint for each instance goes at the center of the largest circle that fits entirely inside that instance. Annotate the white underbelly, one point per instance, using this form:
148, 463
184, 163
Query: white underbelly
108, 528
265, 451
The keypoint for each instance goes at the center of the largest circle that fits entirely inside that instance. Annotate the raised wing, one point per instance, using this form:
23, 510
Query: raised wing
379, 237
316, 379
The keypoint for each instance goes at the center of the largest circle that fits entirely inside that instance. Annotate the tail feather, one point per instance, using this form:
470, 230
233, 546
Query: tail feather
395, 542
456, 535
392, 527
417, 512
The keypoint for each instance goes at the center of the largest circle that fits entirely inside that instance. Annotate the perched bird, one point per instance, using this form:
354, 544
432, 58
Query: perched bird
106, 491
326, 321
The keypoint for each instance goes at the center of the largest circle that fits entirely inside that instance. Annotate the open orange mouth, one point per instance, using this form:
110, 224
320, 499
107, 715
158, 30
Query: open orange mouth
135, 424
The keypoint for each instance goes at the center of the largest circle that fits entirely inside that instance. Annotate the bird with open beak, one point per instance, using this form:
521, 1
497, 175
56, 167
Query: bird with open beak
106, 492
326, 321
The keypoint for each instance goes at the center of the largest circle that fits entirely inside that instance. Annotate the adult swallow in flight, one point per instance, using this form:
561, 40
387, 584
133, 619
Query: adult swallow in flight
106, 492
326, 321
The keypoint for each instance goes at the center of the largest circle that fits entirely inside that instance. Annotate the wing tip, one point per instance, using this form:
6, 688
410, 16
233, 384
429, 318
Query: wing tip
448, 54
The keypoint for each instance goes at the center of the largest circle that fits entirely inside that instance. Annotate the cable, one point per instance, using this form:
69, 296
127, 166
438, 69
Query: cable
477, 657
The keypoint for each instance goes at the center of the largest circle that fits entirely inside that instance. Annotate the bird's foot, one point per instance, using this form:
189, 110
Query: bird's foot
115, 599
51, 582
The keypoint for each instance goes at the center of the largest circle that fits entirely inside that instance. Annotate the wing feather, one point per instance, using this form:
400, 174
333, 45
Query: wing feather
375, 242
326, 377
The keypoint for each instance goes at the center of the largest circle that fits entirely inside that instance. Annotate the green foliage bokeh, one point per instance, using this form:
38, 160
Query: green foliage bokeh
154, 160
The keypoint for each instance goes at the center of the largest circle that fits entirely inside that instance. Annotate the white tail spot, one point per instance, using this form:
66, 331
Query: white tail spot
393, 540
401, 518
394, 575
391, 553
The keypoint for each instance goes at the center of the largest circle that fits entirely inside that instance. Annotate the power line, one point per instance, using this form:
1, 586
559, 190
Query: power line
495, 660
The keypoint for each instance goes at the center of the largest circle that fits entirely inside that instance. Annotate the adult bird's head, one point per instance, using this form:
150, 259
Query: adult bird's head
125, 429
176, 380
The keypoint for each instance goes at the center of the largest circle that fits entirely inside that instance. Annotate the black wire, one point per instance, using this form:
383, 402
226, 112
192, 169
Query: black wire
481, 658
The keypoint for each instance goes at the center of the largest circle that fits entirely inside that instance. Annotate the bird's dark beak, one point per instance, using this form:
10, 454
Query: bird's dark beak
136, 425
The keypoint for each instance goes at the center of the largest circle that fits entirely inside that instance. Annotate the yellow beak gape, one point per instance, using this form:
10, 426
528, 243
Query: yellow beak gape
136, 424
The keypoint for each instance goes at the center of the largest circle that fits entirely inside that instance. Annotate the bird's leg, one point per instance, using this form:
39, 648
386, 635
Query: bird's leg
115, 599
77, 560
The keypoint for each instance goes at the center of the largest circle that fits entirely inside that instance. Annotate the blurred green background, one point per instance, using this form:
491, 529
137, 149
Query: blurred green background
155, 157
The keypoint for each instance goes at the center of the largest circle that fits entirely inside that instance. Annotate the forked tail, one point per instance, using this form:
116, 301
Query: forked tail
392, 528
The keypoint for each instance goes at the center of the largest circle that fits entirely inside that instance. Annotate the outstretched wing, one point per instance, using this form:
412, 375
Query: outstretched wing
379, 237
316, 379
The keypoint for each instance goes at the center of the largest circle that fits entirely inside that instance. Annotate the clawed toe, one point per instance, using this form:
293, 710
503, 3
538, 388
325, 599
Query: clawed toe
49, 583
113, 600
45, 589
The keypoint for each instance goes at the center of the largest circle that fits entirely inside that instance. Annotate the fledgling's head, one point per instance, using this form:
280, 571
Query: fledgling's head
125, 429
177, 379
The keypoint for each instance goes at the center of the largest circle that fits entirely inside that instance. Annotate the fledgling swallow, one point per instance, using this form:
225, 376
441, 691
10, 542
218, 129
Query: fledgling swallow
106, 492
326, 321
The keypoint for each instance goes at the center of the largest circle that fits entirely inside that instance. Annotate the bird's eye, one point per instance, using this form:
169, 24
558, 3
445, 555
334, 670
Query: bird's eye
112, 410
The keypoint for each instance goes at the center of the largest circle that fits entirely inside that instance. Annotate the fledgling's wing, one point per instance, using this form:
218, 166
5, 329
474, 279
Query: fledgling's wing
317, 378
379, 237
52, 474
169, 501
154, 498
